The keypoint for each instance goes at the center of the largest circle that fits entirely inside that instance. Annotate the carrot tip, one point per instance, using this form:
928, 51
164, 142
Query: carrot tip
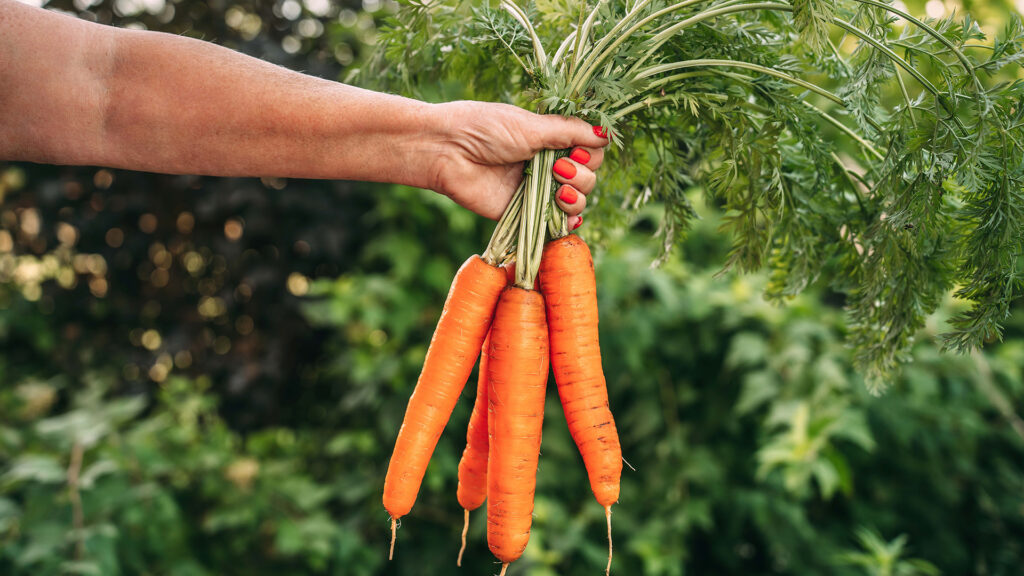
465, 529
394, 530
608, 516
503, 568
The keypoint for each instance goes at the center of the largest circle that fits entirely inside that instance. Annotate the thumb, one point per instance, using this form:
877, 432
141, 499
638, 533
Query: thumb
556, 132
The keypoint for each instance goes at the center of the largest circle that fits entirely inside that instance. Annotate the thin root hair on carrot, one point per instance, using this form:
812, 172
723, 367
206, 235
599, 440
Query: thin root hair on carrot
628, 464
608, 517
504, 567
394, 531
465, 529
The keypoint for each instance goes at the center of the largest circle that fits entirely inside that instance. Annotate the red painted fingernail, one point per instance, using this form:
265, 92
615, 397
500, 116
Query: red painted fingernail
567, 194
578, 223
599, 131
564, 168
580, 155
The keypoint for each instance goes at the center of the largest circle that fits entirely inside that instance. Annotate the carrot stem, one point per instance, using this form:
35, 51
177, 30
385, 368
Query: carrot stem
465, 529
504, 236
533, 220
558, 221
394, 530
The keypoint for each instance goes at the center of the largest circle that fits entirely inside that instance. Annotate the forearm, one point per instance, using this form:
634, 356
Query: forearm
97, 95
181, 105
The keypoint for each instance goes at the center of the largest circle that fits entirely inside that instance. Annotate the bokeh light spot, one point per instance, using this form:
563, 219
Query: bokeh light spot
319, 8
194, 263
98, 287
183, 359
147, 223
348, 18
233, 229
343, 54
159, 277
243, 293
30, 222
291, 44
211, 307
158, 373
291, 9
186, 222
298, 284
115, 237
935, 9
13, 178
67, 234
310, 28
103, 179
151, 339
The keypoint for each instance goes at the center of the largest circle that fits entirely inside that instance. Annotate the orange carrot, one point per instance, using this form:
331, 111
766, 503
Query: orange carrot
570, 294
517, 374
472, 489
464, 323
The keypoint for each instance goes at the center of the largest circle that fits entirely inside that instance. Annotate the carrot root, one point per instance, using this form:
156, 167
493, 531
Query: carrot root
465, 529
608, 517
454, 347
570, 295
394, 532
517, 378
472, 490
504, 567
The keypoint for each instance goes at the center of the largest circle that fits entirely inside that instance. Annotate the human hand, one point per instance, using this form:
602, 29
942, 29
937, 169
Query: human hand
483, 147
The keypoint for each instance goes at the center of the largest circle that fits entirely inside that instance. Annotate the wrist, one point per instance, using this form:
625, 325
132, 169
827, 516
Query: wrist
411, 139
425, 144
380, 137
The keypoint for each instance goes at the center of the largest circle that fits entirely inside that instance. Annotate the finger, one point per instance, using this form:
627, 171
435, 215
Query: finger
556, 132
575, 174
570, 200
575, 222
589, 157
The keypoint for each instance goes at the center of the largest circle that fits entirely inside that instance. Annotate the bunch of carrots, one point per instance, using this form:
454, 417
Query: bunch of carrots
523, 304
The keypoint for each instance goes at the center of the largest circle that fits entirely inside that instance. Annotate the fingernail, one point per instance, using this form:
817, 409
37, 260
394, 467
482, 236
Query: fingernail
580, 155
567, 194
578, 223
564, 168
599, 131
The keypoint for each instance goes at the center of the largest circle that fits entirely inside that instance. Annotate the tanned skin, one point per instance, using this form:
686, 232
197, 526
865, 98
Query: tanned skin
78, 93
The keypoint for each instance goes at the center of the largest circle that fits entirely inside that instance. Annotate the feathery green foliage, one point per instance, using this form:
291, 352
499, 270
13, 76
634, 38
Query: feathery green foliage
733, 96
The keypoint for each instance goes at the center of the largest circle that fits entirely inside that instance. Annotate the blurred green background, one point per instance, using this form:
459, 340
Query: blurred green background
205, 376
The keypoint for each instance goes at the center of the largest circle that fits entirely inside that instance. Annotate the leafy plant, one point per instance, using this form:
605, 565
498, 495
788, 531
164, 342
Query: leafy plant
881, 558
751, 101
